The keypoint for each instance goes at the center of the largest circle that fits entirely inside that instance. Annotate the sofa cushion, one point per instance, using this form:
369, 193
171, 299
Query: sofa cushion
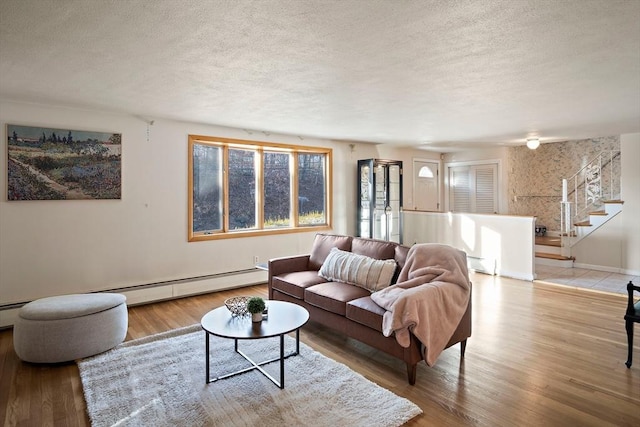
295, 283
322, 245
358, 270
333, 296
378, 249
365, 311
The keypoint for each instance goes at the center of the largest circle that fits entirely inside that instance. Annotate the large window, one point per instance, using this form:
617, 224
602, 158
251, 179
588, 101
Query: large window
242, 188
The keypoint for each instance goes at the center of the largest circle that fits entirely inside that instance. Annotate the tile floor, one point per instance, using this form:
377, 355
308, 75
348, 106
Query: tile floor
582, 278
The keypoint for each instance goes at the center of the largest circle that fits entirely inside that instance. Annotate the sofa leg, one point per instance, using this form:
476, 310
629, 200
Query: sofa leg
411, 373
463, 347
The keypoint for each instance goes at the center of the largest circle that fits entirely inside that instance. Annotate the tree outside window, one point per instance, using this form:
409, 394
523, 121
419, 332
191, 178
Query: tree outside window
240, 188
206, 185
311, 189
277, 190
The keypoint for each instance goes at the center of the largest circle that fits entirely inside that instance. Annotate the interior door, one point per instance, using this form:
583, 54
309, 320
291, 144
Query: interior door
426, 189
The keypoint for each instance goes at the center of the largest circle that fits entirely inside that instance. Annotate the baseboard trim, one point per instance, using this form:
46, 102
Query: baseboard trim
516, 275
165, 290
607, 269
482, 265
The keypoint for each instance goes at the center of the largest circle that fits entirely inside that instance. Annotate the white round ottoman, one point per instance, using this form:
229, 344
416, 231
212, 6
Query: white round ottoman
69, 327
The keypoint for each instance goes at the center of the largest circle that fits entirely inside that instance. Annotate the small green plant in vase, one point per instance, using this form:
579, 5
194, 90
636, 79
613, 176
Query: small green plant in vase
256, 306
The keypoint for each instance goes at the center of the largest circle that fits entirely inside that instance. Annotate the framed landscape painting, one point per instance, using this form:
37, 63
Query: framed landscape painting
61, 164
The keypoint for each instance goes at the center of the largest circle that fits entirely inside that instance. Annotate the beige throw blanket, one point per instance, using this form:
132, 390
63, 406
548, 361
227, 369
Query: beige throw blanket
429, 298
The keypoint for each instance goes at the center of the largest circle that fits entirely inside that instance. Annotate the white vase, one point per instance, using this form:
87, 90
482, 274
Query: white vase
256, 317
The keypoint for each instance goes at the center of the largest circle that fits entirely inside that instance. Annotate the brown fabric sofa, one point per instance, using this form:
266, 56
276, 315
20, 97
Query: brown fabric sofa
347, 308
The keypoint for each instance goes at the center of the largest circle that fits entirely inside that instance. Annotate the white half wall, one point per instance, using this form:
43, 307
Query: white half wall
506, 241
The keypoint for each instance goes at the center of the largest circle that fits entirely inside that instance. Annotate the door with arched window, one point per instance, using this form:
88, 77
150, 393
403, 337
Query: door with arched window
426, 186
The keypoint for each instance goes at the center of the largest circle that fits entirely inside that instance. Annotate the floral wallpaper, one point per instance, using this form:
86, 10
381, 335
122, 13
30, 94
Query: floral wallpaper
535, 176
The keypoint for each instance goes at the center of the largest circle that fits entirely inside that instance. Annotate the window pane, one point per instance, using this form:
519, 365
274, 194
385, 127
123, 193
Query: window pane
242, 189
311, 189
207, 184
277, 190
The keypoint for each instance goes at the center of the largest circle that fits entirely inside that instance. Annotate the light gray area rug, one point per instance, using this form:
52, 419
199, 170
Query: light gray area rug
160, 381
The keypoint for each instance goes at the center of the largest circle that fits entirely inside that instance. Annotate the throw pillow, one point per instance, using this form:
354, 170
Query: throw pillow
359, 270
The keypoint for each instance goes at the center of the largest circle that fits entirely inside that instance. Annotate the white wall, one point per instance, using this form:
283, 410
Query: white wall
630, 193
616, 245
55, 247
363, 151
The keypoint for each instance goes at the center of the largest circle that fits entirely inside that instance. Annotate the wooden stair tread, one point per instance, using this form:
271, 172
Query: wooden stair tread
583, 224
601, 213
549, 241
554, 256
614, 201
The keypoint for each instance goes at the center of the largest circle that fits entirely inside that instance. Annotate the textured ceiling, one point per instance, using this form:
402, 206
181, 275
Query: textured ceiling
430, 73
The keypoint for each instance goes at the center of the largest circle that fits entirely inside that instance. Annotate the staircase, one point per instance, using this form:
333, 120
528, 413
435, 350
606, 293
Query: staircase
548, 251
595, 220
593, 205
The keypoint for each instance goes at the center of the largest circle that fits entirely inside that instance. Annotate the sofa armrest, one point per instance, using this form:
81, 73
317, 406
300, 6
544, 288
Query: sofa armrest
284, 265
288, 264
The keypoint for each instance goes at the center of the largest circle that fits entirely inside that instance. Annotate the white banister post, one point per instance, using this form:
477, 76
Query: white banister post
610, 174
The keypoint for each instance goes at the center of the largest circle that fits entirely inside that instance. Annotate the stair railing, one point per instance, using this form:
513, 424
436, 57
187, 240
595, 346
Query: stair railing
590, 187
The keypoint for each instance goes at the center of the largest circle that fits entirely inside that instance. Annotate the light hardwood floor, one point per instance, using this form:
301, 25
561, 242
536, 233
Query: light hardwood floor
540, 355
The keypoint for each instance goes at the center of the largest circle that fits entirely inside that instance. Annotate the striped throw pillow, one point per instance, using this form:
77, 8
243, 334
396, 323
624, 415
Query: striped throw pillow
358, 270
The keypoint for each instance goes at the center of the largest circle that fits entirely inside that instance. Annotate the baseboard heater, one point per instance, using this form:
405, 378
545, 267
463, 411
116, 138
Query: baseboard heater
482, 265
166, 290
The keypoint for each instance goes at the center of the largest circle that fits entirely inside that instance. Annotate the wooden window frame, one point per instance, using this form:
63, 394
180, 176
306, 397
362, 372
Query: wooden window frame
260, 147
